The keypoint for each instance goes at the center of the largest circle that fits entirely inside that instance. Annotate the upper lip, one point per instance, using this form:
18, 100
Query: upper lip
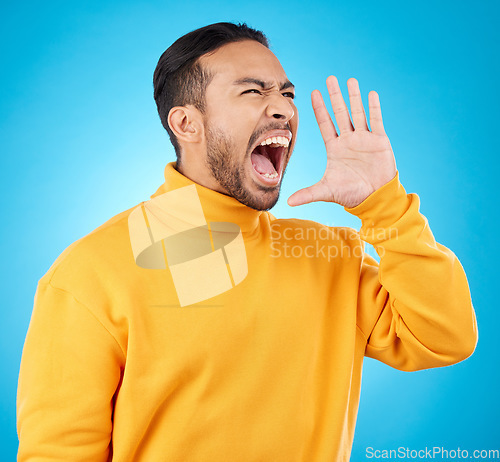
286, 133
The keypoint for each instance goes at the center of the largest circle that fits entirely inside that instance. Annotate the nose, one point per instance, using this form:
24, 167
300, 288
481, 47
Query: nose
279, 107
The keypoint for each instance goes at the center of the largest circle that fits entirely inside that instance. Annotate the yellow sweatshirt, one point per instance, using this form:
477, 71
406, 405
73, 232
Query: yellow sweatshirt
195, 329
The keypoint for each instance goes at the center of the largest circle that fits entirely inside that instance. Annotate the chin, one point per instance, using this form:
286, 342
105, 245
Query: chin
263, 201
260, 196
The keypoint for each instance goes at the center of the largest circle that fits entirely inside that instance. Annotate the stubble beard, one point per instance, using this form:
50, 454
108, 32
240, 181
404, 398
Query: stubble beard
231, 175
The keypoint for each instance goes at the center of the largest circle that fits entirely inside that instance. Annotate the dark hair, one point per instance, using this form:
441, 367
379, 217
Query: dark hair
179, 79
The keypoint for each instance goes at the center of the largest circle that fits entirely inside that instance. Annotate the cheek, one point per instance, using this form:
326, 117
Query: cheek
231, 118
238, 122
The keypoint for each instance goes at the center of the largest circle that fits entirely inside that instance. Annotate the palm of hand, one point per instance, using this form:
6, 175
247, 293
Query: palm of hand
358, 161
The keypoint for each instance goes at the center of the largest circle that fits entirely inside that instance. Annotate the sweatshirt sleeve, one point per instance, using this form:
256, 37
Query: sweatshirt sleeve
415, 309
70, 371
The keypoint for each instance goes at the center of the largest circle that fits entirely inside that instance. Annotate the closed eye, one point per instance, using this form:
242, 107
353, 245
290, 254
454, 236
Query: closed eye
252, 90
287, 94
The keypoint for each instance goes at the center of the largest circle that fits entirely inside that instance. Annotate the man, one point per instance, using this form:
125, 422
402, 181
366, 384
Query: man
197, 326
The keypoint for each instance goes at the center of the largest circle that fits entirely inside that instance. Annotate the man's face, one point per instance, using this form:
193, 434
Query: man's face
250, 122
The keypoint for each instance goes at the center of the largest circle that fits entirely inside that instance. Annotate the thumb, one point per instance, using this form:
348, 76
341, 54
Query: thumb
305, 196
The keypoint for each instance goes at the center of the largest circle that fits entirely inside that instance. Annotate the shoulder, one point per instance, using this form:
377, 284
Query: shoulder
104, 250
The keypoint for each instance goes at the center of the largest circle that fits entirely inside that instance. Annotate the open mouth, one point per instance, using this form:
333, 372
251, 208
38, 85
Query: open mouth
267, 158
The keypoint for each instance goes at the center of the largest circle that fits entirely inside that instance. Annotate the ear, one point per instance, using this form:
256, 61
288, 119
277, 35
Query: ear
187, 123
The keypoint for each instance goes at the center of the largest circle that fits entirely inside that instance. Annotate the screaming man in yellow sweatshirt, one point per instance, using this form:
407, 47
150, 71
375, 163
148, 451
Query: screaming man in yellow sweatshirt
194, 328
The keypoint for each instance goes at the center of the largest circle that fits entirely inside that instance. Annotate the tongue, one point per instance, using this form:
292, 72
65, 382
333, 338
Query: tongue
262, 164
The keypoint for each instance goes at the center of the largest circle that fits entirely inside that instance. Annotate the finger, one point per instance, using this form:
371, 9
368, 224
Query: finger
338, 105
316, 192
357, 109
323, 118
376, 123
302, 196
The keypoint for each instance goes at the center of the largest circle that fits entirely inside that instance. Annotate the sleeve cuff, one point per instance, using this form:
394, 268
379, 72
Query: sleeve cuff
383, 207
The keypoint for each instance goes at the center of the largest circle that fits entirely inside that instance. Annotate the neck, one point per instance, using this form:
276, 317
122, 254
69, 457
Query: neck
198, 174
215, 205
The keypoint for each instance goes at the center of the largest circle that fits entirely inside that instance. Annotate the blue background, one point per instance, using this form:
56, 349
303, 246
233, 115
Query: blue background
81, 141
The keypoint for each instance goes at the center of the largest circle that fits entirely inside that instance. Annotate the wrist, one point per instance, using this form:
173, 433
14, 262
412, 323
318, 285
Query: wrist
383, 208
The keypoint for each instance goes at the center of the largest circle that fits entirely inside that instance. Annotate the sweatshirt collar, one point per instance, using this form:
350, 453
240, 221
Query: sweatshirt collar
216, 206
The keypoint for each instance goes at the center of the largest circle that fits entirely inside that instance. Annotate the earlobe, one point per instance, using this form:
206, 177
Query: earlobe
184, 121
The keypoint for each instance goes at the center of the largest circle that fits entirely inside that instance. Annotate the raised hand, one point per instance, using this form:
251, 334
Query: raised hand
359, 161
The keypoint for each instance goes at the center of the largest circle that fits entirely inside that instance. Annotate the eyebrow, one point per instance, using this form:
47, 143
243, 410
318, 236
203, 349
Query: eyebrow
264, 85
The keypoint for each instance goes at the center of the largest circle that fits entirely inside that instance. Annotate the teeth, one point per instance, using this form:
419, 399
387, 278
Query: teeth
280, 140
270, 175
